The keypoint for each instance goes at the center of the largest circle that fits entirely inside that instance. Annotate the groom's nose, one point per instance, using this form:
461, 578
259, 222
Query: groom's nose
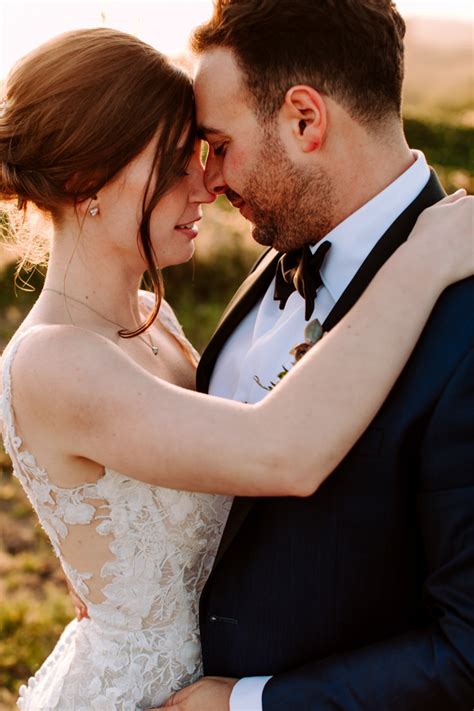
213, 178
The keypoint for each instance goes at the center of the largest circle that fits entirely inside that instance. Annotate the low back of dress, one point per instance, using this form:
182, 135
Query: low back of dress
139, 556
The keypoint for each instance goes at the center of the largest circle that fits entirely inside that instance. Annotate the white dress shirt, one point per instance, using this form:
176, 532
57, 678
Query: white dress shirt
260, 345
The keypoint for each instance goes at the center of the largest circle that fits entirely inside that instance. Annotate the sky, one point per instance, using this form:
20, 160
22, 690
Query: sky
166, 24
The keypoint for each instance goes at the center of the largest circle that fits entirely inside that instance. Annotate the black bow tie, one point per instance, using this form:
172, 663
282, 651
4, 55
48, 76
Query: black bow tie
299, 271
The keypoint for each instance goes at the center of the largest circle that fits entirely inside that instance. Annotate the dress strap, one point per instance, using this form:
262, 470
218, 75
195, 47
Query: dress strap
12, 441
8, 356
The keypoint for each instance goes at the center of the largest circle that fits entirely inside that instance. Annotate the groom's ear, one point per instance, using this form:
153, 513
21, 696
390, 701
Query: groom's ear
304, 111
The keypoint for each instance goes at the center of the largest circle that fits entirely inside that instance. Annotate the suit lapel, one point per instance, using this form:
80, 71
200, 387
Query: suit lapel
397, 233
243, 301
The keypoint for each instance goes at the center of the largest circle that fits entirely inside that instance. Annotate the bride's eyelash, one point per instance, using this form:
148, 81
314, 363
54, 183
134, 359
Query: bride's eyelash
219, 150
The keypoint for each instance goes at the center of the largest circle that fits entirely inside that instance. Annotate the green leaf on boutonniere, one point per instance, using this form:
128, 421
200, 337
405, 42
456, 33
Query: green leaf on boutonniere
313, 332
272, 385
268, 388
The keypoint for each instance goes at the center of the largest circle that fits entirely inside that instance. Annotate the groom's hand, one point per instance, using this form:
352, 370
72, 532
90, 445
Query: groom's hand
210, 692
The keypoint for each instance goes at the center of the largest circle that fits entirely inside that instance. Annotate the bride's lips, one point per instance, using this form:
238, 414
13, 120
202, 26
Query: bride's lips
189, 228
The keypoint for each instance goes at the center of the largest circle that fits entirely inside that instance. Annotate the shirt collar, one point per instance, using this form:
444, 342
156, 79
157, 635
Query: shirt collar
354, 238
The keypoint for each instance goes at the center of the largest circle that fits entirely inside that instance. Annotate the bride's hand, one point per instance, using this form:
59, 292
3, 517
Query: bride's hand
444, 235
79, 606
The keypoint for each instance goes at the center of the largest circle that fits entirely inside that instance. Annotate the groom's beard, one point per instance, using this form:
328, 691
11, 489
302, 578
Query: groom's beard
290, 206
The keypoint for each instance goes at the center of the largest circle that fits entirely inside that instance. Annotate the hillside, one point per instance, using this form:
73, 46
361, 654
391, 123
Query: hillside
439, 80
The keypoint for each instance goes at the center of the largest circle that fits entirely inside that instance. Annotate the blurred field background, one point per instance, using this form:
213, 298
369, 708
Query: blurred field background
439, 119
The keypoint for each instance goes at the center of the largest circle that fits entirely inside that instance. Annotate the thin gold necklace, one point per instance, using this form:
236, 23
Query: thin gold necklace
151, 345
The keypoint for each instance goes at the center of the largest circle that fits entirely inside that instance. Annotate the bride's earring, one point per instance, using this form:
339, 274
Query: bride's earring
93, 211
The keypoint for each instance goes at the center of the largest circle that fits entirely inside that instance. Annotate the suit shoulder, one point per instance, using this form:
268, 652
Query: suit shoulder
449, 333
456, 304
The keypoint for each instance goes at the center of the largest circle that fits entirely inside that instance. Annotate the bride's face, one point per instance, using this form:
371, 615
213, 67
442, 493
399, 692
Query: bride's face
173, 225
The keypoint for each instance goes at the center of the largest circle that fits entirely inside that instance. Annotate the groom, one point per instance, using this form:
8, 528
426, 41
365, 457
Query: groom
360, 597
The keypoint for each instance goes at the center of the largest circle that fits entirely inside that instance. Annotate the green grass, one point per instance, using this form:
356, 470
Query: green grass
450, 149
35, 605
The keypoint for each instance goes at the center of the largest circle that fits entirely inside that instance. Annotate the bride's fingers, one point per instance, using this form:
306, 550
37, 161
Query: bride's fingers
444, 232
79, 606
453, 197
171, 703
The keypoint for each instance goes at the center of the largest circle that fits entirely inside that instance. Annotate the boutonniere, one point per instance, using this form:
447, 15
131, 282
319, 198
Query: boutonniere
312, 334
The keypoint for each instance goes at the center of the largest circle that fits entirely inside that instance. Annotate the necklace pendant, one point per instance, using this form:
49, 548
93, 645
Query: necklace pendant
154, 350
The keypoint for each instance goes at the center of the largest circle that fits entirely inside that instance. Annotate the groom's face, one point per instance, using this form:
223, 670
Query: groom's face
250, 163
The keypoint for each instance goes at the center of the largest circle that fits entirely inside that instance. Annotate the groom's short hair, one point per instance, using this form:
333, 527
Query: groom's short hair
350, 50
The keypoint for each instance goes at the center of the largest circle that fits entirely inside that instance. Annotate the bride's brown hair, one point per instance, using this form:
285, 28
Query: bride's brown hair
78, 109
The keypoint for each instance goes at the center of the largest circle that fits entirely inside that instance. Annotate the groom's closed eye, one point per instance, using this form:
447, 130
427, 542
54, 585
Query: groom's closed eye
220, 149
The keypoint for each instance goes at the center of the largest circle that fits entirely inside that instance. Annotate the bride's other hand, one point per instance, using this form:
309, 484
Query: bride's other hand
79, 605
210, 692
445, 230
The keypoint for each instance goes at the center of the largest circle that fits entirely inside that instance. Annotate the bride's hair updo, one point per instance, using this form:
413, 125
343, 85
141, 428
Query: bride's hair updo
78, 109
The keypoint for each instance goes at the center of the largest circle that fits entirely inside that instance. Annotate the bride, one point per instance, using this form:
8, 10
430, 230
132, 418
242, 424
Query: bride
116, 452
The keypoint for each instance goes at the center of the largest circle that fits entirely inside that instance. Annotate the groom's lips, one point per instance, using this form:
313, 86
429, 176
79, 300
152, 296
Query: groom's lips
246, 211
238, 202
234, 198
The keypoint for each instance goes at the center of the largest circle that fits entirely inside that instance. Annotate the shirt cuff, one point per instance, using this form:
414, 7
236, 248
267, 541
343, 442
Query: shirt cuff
247, 694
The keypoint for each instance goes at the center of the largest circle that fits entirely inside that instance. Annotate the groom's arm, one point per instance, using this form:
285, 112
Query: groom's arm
431, 667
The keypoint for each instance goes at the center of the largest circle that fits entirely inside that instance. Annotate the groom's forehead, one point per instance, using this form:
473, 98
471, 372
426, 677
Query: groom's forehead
217, 79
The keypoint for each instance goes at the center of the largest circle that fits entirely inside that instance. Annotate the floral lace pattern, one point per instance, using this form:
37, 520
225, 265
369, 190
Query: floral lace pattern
139, 555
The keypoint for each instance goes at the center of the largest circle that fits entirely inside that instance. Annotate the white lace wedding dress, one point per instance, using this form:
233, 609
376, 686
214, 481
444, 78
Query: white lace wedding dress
139, 556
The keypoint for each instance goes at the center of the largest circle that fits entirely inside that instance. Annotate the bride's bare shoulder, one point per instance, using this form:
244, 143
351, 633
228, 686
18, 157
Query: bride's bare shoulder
46, 343
52, 359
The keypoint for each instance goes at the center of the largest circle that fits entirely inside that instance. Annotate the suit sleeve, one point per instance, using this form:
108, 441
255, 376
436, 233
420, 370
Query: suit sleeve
430, 667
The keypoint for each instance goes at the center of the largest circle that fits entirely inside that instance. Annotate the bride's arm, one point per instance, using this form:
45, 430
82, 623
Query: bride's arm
105, 408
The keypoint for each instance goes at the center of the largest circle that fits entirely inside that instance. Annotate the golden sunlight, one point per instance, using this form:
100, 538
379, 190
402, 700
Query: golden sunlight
166, 24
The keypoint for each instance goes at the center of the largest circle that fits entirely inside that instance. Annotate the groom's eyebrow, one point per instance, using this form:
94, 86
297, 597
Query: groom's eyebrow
204, 131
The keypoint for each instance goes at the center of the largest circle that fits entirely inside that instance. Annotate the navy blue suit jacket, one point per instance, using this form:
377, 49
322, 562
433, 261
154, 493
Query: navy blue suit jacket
361, 597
